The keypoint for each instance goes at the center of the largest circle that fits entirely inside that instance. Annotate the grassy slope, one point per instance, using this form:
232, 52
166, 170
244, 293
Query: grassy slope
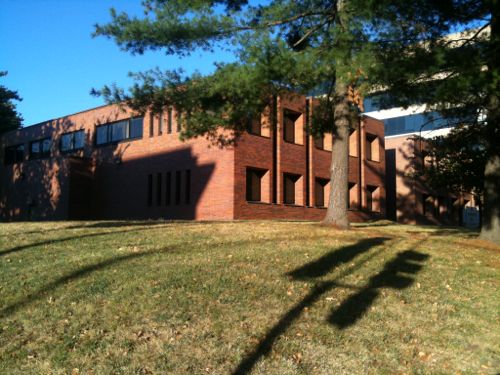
268, 297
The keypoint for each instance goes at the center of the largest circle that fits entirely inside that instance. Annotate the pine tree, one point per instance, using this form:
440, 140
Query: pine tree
457, 75
283, 46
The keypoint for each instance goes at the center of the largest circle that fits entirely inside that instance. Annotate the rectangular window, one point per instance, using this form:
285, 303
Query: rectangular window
150, 190
428, 207
290, 123
353, 142
151, 124
254, 126
14, 154
177, 187
168, 188
352, 202
442, 207
372, 198
289, 181
319, 142
136, 125
72, 141
158, 189
187, 188
372, 147
169, 122
119, 131
160, 124
179, 119
254, 184
319, 191
102, 135
40, 148
35, 150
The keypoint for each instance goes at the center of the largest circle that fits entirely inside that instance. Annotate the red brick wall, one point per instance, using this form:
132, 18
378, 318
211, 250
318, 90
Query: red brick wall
112, 183
120, 172
408, 196
256, 152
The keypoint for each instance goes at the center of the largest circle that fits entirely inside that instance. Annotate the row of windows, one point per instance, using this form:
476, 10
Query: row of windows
164, 123
14, 154
441, 206
119, 131
292, 133
178, 183
257, 190
41, 148
74, 141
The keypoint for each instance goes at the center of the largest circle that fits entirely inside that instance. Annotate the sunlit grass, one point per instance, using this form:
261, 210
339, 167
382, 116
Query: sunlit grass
260, 297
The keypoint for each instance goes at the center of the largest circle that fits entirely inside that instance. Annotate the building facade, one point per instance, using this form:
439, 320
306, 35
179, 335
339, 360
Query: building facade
409, 199
107, 163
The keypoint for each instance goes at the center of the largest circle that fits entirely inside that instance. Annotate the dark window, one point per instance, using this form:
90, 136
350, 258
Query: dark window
14, 154
319, 142
177, 187
368, 147
179, 119
372, 197
118, 131
150, 190
102, 135
72, 141
158, 189
187, 188
289, 122
35, 151
136, 125
442, 207
289, 181
160, 124
254, 184
428, 205
371, 144
168, 188
151, 124
254, 126
40, 148
319, 191
169, 122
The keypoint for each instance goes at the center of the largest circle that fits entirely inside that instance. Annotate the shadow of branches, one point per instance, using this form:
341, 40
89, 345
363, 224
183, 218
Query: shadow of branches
351, 310
77, 274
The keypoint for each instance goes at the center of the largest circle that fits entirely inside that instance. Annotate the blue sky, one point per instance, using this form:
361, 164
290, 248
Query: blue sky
53, 62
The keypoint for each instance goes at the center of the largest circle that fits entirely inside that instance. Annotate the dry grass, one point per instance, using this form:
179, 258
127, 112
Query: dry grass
245, 297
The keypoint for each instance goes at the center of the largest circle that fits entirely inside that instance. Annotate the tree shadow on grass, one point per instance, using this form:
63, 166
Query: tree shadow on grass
77, 274
396, 274
70, 238
328, 262
351, 310
317, 268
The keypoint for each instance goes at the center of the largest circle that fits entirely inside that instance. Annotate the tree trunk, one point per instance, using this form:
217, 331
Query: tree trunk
490, 229
336, 213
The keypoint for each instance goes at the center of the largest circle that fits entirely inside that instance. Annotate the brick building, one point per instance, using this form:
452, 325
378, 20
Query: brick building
409, 199
106, 163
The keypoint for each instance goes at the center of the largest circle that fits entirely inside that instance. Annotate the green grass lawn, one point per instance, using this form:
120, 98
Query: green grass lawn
246, 297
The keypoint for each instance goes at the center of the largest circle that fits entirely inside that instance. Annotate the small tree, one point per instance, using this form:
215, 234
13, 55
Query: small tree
9, 117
